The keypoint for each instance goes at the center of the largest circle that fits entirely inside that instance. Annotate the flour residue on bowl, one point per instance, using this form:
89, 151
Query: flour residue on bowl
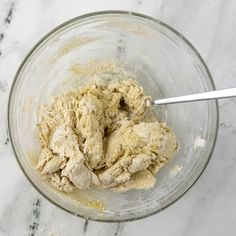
199, 142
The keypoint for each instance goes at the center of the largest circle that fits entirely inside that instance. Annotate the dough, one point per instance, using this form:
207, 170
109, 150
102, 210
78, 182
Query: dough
96, 136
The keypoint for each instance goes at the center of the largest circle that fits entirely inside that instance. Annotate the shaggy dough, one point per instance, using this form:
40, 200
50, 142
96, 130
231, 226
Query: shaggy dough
96, 136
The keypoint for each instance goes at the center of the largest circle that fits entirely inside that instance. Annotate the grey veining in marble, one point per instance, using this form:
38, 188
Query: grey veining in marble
209, 208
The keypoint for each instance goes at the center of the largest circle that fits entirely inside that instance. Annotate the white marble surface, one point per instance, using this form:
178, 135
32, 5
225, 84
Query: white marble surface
209, 208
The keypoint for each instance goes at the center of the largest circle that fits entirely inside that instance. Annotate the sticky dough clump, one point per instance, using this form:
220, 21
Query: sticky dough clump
96, 136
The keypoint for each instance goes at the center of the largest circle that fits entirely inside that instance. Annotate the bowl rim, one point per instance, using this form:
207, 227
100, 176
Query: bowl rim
122, 13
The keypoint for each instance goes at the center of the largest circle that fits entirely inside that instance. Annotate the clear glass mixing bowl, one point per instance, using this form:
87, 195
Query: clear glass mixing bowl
164, 62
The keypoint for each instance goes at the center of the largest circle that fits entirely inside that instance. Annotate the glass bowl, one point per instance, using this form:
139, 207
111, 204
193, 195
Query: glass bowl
166, 65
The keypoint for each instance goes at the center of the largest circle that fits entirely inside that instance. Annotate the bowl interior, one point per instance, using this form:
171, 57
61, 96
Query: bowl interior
100, 45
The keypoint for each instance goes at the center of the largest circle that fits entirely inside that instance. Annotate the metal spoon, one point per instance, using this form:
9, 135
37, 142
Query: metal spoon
218, 94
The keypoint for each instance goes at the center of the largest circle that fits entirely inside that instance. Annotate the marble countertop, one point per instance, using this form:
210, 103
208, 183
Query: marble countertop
209, 208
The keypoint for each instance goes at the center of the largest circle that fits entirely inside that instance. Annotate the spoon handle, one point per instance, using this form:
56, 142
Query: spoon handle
224, 93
